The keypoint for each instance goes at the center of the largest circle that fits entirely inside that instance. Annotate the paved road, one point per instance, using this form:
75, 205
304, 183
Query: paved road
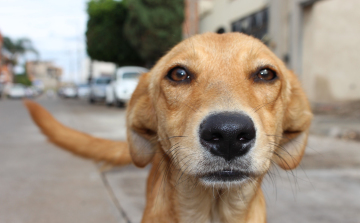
40, 183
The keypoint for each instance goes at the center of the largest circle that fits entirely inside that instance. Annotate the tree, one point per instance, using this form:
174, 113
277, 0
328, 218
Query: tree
18, 48
22, 79
105, 38
154, 26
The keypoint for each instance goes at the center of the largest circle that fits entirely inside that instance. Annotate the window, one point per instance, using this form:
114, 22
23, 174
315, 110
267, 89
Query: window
131, 75
221, 30
101, 81
255, 24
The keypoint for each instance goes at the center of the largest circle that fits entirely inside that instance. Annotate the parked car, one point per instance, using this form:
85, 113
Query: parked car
29, 92
98, 88
83, 90
17, 91
123, 85
68, 92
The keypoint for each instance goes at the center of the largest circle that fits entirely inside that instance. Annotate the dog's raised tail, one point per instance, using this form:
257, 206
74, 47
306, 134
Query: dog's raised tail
112, 152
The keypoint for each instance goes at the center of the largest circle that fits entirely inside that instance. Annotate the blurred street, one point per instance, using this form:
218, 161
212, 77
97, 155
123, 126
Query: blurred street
41, 183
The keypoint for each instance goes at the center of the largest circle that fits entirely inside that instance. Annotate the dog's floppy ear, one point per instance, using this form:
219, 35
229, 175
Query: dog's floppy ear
296, 126
141, 124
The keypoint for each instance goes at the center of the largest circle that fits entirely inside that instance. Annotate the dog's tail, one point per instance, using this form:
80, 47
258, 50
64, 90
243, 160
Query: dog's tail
112, 152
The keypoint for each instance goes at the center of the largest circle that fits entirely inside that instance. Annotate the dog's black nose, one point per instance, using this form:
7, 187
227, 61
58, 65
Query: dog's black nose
227, 134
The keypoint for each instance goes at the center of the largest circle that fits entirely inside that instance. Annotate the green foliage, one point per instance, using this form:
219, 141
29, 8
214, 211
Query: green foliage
105, 37
154, 26
22, 79
18, 48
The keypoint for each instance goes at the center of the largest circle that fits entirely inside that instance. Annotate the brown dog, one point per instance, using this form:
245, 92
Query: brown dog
211, 116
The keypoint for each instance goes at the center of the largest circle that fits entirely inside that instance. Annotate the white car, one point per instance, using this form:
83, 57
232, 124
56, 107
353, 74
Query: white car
98, 89
69, 92
17, 91
123, 84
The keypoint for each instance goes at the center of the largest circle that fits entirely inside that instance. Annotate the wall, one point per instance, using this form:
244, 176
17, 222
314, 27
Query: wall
279, 24
331, 47
1, 43
212, 20
44, 71
191, 19
99, 68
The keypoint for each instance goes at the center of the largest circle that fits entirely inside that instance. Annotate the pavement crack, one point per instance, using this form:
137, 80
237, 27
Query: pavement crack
113, 197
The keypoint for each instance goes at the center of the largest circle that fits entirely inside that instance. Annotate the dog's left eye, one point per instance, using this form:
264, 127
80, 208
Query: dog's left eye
178, 74
266, 74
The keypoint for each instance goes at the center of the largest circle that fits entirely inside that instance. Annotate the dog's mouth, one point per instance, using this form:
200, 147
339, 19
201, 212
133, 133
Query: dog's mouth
225, 176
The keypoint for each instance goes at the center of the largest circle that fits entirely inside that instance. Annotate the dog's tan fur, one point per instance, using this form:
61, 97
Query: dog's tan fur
163, 121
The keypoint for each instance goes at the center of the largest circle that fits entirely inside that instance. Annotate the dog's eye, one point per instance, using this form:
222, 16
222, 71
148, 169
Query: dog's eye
178, 74
266, 74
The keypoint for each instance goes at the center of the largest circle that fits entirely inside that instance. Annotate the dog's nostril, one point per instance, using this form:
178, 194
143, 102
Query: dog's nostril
216, 137
244, 137
228, 135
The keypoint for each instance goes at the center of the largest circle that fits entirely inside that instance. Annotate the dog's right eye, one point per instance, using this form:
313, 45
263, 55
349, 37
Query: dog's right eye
178, 74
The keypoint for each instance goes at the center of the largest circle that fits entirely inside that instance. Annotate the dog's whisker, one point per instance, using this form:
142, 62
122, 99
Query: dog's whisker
195, 110
187, 178
171, 137
257, 108
183, 171
287, 174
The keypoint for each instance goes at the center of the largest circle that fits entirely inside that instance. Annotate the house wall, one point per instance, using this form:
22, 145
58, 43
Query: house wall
1, 43
331, 47
99, 69
318, 39
279, 24
191, 19
44, 71
221, 13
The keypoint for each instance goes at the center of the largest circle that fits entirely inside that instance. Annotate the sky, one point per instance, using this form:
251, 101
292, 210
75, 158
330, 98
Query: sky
56, 28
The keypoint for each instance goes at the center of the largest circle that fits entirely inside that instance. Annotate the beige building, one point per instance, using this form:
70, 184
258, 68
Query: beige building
6, 76
318, 39
330, 52
43, 74
96, 69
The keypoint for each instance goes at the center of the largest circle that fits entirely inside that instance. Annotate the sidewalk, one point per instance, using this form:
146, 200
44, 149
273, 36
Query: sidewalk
41, 183
337, 120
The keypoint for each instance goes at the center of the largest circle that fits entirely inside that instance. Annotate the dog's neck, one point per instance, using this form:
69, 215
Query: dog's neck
197, 203
183, 199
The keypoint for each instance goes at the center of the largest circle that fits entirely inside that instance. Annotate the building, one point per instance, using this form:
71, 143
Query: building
317, 39
96, 69
1, 44
6, 76
43, 74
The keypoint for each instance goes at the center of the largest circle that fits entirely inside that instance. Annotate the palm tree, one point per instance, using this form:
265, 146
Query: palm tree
18, 48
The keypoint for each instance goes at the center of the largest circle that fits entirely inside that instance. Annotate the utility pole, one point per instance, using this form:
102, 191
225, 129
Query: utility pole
90, 71
190, 25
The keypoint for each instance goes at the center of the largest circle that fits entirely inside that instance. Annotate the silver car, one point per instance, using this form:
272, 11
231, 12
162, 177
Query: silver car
98, 88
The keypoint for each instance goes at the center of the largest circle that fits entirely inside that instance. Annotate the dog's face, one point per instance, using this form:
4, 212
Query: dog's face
222, 107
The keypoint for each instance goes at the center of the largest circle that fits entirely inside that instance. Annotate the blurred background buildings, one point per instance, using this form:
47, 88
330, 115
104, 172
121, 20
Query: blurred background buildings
318, 39
43, 73
97, 69
5, 73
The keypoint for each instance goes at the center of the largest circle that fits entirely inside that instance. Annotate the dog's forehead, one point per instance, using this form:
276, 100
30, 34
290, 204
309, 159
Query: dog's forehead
218, 50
